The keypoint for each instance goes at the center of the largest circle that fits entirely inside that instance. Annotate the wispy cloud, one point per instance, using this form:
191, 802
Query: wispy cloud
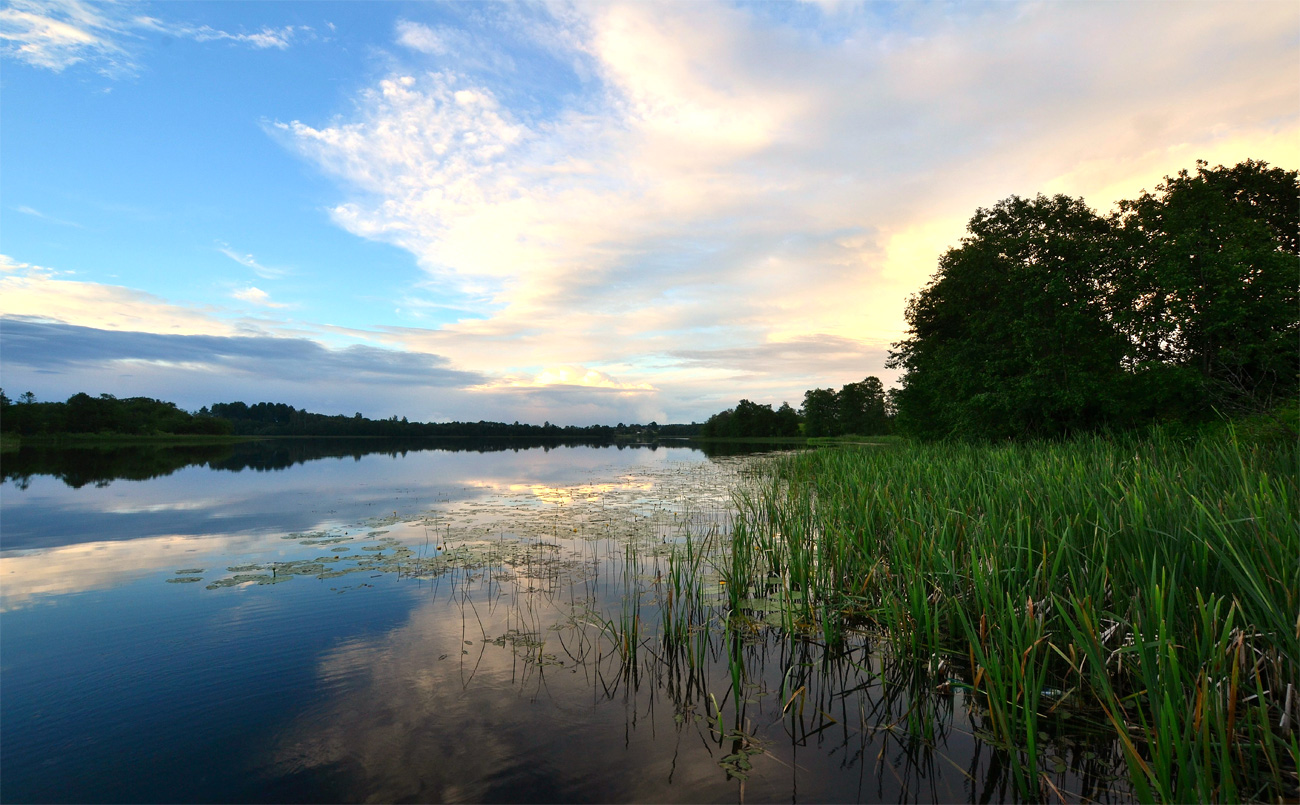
577, 376
263, 38
25, 210
248, 261
57, 34
425, 39
453, 45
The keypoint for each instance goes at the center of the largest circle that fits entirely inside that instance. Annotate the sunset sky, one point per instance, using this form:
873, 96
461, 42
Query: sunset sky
581, 213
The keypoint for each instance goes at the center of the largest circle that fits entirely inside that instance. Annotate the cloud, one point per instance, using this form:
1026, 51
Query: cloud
25, 210
423, 38
794, 357
56, 346
256, 296
575, 376
267, 37
454, 46
57, 34
129, 343
771, 191
35, 291
248, 261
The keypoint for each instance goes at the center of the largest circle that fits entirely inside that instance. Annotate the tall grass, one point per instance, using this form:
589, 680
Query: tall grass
1150, 586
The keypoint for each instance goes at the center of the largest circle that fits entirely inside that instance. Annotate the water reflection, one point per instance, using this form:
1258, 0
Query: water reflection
101, 465
472, 626
332, 483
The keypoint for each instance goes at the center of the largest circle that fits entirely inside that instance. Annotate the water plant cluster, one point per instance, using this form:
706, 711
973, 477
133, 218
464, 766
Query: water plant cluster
1145, 591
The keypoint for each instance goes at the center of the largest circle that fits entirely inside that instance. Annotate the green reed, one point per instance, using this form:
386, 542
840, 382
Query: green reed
1148, 586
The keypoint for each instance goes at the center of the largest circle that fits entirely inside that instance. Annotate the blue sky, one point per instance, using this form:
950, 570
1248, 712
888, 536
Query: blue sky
567, 212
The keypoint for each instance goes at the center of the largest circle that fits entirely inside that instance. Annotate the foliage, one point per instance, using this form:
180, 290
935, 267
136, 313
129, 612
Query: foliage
1049, 320
1011, 337
1205, 287
279, 419
857, 408
136, 416
106, 414
820, 412
1146, 587
749, 419
862, 409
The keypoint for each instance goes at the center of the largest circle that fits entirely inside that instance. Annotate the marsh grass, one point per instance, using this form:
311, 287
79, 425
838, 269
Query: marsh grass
1149, 588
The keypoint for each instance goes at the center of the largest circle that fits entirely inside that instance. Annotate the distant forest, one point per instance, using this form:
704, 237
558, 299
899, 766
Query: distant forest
143, 416
278, 419
1179, 308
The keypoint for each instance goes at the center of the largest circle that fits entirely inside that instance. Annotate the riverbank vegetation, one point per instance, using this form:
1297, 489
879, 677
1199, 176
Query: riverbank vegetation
1050, 320
1093, 527
1148, 588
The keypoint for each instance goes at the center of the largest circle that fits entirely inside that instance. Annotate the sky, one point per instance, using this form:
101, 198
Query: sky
581, 213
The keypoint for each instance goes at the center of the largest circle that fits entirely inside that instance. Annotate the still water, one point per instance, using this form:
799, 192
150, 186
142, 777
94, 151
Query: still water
314, 622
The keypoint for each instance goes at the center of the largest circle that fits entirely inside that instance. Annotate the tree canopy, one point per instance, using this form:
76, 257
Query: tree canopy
857, 408
83, 413
1049, 319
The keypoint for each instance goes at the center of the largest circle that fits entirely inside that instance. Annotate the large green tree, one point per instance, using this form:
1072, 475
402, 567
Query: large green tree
821, 412
1206, 289
1013, 337
1048, 319
861, 408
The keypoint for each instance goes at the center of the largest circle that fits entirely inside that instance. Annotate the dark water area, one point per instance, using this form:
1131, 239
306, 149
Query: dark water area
436, 625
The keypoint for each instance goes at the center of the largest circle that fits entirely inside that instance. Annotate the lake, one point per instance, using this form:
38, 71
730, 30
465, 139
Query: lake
342, 621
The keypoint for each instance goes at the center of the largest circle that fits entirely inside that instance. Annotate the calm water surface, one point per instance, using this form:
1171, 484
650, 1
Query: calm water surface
286, 623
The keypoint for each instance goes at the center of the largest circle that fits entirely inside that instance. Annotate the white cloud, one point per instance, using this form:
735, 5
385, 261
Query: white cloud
738, 183
37, 292
454, 46
577, 376
266, 37
248, 261
56, 34
422, 38
256, 296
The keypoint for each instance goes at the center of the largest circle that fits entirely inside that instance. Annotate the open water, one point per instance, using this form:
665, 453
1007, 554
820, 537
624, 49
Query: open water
294, 621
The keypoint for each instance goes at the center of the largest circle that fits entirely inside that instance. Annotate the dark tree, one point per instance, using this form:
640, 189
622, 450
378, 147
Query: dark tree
861, 408
1206, 289
787, 420
1012, 337
821, 413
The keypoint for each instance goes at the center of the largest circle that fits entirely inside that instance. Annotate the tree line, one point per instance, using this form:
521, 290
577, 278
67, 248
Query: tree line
138, 416
280, 419
857, 408
1050, 319
82, 413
